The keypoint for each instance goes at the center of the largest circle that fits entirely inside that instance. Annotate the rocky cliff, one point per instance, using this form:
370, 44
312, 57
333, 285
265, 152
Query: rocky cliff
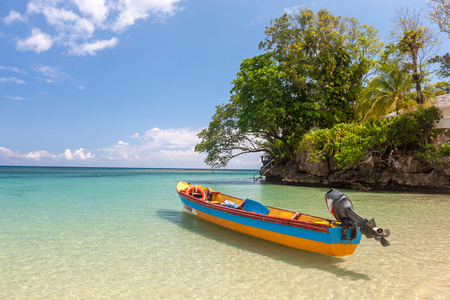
406, 173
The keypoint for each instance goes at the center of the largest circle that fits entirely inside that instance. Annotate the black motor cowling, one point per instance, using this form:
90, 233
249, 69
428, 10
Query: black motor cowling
341, 208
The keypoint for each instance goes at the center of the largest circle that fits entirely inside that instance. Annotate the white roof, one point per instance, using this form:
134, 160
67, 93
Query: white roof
443, 101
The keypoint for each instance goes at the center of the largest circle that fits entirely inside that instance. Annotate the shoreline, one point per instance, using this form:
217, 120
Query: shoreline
406, 173
399, 189
426, 183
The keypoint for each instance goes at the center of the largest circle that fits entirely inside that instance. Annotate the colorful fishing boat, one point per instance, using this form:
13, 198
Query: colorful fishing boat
338, 237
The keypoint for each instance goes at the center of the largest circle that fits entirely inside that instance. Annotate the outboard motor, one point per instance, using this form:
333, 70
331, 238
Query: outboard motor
341, 208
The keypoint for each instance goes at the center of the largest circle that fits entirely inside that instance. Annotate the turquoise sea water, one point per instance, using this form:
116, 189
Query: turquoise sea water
71, 233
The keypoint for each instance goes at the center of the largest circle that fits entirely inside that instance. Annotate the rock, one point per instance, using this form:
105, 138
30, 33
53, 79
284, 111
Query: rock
431, 180
412, 164
442, 138
410, 174
444, 167
367, 164
332, 165
318, 166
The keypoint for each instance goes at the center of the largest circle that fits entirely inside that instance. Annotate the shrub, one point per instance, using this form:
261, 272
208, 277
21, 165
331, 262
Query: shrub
444, 150
414, 130
349, 143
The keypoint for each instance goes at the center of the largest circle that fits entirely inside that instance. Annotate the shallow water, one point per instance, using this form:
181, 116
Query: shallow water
122, 234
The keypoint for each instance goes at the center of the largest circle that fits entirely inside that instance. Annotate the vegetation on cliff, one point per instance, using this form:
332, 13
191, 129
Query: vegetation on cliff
376, 140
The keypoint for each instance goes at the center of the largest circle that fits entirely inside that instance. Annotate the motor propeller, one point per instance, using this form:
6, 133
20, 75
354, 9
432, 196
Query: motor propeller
341, 208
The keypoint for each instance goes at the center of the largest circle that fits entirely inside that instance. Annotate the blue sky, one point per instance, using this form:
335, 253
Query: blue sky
129, 83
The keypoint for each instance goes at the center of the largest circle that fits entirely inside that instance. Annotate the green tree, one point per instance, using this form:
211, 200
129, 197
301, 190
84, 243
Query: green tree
441, 88
223, 140
440, 14
390, 90
313, 69
444, 64
268, 106
325, 59
419, 44
411, 43
263, 115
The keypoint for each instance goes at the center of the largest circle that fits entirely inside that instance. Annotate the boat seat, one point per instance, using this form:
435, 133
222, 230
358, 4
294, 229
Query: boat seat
197, 195
241, 205
255, 206
296, 216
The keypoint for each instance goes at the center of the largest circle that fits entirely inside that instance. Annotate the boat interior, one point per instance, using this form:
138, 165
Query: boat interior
213, 197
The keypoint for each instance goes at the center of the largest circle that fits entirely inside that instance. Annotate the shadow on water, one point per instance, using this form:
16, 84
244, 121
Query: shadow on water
295, 257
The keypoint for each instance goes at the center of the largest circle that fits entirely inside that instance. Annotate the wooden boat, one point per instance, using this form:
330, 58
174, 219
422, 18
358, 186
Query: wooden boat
293, 229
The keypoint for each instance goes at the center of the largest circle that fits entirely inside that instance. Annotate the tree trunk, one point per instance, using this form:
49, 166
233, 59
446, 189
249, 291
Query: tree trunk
417, 79
419, 93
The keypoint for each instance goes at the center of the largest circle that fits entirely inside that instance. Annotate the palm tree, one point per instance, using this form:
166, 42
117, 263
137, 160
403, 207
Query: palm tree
390, 91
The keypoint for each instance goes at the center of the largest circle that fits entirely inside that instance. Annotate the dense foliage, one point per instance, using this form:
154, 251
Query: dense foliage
376, 140
390, 90
311, 74
263, 115
444, 64
325, 58
440, 13
324, 71
418, 43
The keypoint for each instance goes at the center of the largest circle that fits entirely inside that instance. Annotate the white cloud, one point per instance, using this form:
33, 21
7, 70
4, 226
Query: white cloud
46, 74
188, 156
83, 27
14, 16
159, 148
92, 48
11, 79
37, 42
13, 69
135, 136
293, 10
67, 154
39, 154
15, 98
172, 138
52, 74
132, 10
56, 16
77, 155
97, 10
8, 153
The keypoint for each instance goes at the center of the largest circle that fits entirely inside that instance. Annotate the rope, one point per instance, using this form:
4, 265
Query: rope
415, 258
